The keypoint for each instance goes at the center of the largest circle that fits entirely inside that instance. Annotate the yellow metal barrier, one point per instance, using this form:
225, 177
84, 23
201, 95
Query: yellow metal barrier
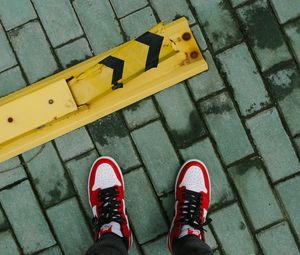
160, 58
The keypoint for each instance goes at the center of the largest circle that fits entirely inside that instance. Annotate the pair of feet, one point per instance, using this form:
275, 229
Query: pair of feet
106, 196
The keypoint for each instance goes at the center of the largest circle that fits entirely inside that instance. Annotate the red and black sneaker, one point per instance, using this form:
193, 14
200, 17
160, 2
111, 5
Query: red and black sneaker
106, 196
192, 194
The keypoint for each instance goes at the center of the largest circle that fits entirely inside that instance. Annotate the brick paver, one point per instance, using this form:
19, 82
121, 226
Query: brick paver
29, 41
7, 56
59, 20
218, 22
226, 127
32, 218
241, 118
232, 231
252, 184
287, 191
8, 245
74, 52
249, 100
273, 144
276, 240
140, 113
263, 33
292, 31
137, 23
187, 128
207, 83
50, 180
11, 80
16, 12
285, 87
70, 227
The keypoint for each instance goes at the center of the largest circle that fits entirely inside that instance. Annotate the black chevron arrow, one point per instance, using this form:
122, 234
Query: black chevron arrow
154, 42
118, 66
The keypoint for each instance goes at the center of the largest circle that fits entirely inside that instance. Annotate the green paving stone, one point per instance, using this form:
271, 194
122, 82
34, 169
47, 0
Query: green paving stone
255, 192
138, 23
140, 113
74, 144
7, 56
286, 10
168, 203
112, 139
49, 176
175, 102
32, 218
8, 245
241, 72
297, 141
3, 221
218, 22
123, 9
33, 51
273, 144
10, 81
73, 53
143, 208
237, 2
208, 82
51, 251
169, 10
199, 37
232, 231
285, 87
293, 32
59, 20
79, 170
70, 227
210, 239
99, 23
264, 34
226, 127
135, 250
14, 13
287, 191
217, 252
278, 240
158, 155
220, 188
157, 247
11, 171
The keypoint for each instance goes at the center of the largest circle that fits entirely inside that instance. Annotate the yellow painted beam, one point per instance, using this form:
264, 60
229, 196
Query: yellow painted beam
162, 57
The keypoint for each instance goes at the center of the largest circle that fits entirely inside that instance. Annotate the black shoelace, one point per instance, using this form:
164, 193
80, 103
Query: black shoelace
191, 210
108, 208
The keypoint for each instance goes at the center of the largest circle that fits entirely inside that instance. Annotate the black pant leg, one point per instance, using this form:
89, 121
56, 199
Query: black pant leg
191, 245
108, 244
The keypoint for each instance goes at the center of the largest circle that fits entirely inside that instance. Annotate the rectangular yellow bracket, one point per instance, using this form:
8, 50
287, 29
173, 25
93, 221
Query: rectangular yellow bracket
167, 55
42, 106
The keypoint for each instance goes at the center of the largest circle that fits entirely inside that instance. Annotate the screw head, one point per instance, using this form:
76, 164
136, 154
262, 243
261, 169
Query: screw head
194, 54
186, 36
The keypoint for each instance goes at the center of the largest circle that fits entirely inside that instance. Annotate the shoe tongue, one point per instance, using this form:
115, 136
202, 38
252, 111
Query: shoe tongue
112, 227
189, 230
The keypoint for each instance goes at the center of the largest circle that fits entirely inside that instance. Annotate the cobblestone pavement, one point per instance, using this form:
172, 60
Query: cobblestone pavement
241, 118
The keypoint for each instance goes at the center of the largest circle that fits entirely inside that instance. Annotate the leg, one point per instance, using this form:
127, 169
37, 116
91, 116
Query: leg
108, 244
191, 245
192, 193
106, 196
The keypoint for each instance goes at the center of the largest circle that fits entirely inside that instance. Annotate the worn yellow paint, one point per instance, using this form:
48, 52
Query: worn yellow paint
90, 85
